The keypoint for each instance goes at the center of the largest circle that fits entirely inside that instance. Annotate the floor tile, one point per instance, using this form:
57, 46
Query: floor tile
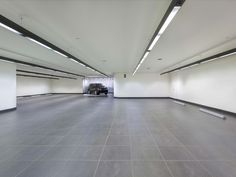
116, 153
93, 140
212, 153
78, 169
12, 168
87, 153
30, 153
150, 169
58, 153
142, 141
187, 169
148, 153
114, 169
66, 135
175, 153
221, 168
70, 140
166, 140
42, 169
120, 131
118, 140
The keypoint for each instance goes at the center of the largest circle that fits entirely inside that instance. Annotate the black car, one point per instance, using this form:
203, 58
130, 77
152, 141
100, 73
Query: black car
97, 89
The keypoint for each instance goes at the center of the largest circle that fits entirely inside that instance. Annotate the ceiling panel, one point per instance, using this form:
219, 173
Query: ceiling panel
201, 28
109, 35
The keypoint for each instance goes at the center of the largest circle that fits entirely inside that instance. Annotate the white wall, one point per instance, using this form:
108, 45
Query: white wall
32, 86
7, 85
141, 85
67, 86
211, 84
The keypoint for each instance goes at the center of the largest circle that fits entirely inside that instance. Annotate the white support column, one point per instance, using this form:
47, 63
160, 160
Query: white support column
7, 85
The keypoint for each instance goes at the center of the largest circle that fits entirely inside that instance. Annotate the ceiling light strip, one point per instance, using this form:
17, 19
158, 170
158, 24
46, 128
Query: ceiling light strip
39, 43
36, 65
38, 73
42, 77
205, 60
13, 27
9, 28
166, 20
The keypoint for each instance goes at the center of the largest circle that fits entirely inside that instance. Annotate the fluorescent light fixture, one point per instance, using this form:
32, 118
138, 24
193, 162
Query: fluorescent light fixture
74, 60
209, 60
134, 72
90, 68
9, 28
154, 42
23, 64
82, 64
144, 57
164, 26
189, 66
227, 55
205, 60
169, 19
160, 32
39, 43
60, 53
223, 56
8, 61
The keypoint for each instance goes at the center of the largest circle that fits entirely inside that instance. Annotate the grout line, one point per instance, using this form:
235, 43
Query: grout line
157, 146
40, 155
134, 160
131, 146
73, 127
191, 154
103, 149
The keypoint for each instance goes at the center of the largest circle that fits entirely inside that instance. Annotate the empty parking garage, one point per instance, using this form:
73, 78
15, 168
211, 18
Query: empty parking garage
121, 88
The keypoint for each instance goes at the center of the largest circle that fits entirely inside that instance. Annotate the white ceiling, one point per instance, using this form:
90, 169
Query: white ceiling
202, 28
111, 35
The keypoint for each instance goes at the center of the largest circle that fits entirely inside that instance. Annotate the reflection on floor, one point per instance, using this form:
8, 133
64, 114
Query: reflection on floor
77, 136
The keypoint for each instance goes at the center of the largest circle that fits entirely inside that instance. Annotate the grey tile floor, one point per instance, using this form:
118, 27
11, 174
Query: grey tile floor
79, 136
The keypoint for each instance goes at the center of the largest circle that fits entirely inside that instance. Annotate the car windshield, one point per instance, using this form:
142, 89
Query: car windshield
95, 85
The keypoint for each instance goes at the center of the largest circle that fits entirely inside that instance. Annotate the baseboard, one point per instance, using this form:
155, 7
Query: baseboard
8, 110
42, 94
141, 97
207, 107
68, 93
